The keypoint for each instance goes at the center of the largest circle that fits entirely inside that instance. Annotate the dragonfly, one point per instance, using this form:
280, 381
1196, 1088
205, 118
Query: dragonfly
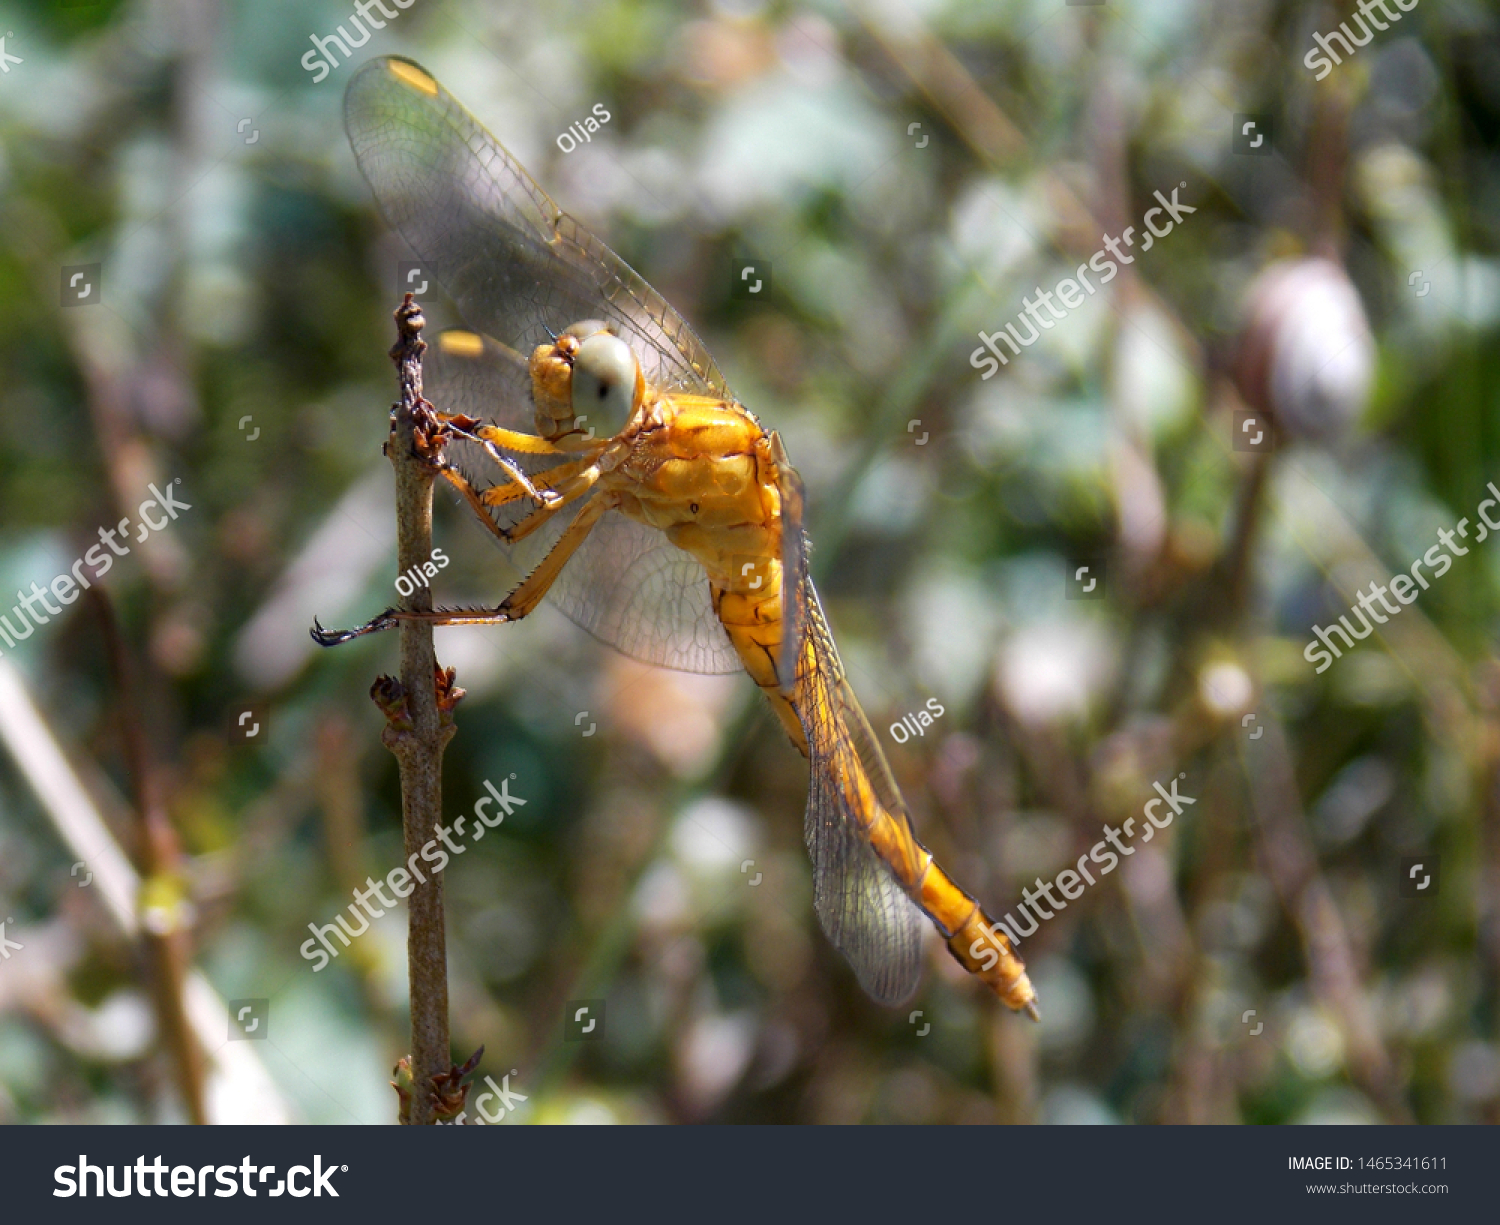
596, 439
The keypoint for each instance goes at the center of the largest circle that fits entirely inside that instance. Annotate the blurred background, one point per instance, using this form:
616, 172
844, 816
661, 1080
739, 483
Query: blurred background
1282, 401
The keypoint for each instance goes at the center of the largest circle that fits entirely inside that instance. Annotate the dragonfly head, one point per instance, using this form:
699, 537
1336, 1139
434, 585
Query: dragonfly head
587, 379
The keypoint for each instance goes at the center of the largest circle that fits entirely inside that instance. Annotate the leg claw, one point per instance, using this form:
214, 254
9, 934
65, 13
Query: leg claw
333, 638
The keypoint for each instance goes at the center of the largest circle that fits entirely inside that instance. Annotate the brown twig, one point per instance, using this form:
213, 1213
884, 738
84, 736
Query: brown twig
418, 709
165, 935
1291, 865
1239, 552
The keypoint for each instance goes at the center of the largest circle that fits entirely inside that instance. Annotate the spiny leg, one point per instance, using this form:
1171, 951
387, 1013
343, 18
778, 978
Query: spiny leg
547, 478
528, 444
491, 437
570, 443
472, 496
568, 491
517, 477
487, 436
519, 603
481, 502
523, 600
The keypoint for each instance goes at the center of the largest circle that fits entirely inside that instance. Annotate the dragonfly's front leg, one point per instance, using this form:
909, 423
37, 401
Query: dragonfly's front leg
493, 437
519, 603
547, 479
481, 502
566, 485
513, 440
567, 491
518, 479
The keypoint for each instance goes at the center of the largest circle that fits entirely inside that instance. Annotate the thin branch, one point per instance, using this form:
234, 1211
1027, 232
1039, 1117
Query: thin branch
166, 937
420, 724
1291, 865
337, 787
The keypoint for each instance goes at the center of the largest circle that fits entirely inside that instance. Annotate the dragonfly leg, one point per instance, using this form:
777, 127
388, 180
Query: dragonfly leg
518, 478
514, 440
528, 594
547, 478
472, 496
492, 437
566, 486
511, 440
534, 444
482, 501
567, 491
519, 603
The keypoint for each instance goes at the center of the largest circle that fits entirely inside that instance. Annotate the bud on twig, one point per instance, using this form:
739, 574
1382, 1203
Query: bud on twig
1306, 357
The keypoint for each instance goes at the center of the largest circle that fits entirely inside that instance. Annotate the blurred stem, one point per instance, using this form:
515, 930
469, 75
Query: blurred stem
1327, 161
336, 783
1012, 1055
997, 142
1487, 763
1291, 864
418, 734
1239, 554
163, 902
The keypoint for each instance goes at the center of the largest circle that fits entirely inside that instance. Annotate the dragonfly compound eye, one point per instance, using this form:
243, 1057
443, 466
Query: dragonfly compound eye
607, 383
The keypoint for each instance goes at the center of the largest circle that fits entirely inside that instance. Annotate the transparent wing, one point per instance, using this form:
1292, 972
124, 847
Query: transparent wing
794, 577
630, 587
515, 263
464, 372
861, 905
627, 585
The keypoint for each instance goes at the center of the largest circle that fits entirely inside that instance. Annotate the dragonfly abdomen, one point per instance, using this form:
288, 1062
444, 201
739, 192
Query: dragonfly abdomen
873, 805
971, 936
753, 620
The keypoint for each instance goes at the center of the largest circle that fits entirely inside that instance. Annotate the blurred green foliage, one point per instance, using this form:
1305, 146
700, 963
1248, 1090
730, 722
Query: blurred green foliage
910, 172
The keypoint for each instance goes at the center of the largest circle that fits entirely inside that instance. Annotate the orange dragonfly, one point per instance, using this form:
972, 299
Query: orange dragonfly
645, 500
